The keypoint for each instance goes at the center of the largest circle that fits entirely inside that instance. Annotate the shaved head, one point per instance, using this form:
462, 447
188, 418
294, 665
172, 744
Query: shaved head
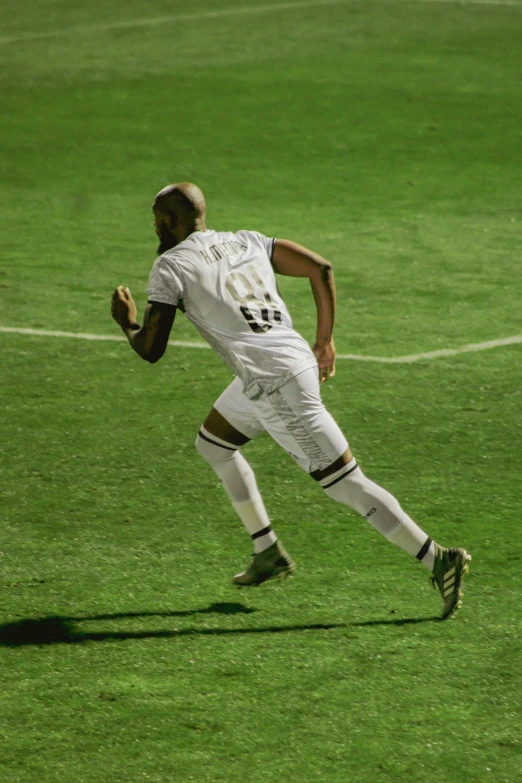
184, 200
179, 210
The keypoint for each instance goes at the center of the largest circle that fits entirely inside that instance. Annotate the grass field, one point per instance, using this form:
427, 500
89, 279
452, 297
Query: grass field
387, 136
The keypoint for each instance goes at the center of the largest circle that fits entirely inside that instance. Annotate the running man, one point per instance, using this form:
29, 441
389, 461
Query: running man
225, 284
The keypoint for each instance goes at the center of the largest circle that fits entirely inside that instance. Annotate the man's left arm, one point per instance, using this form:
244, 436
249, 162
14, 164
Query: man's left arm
149, 340
295, 260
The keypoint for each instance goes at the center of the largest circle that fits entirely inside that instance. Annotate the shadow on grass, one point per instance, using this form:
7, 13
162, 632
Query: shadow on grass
64, 630
405, 621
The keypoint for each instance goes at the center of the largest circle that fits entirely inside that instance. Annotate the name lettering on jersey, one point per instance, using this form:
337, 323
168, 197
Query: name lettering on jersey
217, 252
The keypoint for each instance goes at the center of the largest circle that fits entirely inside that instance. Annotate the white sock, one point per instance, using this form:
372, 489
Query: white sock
350, 486
240, 484
252, 514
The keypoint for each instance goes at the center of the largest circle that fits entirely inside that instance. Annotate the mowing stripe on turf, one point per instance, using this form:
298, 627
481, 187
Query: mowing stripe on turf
414, 357
240, 11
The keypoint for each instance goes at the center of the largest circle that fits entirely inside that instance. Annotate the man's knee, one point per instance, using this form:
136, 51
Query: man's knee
222, 430
335, 467
212, 448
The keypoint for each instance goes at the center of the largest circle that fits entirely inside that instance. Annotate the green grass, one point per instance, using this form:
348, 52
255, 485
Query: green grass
386, 135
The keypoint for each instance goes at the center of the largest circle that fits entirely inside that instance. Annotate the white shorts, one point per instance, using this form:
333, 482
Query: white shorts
294, 416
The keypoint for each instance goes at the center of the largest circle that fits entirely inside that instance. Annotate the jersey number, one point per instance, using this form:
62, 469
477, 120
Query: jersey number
240, 287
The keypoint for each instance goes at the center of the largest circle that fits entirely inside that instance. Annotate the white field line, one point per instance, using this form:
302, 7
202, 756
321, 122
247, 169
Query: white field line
224, 12
117, 338
414, 357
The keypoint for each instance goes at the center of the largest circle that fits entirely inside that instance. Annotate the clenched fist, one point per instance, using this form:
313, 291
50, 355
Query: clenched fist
123, 309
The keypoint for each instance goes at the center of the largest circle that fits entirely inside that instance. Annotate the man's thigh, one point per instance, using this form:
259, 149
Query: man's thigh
239, 411
295, 416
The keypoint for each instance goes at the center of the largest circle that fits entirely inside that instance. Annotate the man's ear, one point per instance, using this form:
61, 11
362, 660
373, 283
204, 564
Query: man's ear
170, 221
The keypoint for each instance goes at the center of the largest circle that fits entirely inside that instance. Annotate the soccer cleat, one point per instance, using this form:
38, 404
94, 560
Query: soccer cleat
448, 572
271, 563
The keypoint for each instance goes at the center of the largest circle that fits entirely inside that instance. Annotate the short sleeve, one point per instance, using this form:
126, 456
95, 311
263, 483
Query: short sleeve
165, 282
269, 243
266, 243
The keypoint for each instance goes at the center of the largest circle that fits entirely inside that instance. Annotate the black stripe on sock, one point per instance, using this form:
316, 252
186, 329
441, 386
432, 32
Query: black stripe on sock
261, 533
215, 443
327, 486
424, 550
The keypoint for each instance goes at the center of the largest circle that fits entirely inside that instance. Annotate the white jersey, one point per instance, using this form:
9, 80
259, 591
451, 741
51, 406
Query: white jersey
225, 285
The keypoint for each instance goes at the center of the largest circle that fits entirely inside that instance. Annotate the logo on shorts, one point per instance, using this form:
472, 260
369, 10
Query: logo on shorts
370, 512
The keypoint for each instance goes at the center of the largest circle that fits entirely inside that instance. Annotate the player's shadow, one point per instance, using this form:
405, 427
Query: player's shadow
65, 630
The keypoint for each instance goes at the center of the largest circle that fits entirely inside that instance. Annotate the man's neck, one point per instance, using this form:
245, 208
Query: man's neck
183, 232
199, 225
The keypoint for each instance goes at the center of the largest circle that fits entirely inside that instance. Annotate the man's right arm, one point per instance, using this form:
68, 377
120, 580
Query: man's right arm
294, 260
149, 340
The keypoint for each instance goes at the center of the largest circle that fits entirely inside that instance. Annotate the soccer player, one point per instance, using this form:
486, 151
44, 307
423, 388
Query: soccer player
225, 284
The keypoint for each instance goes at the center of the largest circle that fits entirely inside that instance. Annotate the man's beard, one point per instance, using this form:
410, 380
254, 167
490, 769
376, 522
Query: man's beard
167, 240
